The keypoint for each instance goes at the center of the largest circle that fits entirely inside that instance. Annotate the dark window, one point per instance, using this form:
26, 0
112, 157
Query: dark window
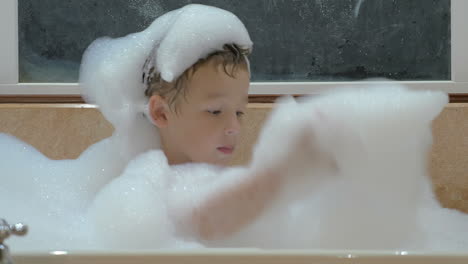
323, 40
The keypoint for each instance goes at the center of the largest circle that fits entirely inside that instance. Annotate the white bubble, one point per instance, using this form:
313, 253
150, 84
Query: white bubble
365, 185
73, 203
359, 181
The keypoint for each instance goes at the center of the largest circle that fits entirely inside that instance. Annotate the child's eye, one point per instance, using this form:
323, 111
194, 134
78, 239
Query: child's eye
215, 112
239, 113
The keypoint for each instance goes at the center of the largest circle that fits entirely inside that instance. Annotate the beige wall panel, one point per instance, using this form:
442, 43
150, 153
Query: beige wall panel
64, 131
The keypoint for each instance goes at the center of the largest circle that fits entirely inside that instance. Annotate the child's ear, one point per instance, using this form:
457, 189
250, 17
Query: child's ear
158, 110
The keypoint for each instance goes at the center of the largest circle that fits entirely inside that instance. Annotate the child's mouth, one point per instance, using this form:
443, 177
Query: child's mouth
226, 150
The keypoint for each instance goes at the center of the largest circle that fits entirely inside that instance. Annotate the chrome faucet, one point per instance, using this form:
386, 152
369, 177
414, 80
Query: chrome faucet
5, 231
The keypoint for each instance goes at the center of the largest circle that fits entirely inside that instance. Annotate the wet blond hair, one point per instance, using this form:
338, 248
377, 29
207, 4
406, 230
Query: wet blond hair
231, 57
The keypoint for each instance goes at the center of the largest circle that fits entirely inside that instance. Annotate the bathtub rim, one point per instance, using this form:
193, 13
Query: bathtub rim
242, 255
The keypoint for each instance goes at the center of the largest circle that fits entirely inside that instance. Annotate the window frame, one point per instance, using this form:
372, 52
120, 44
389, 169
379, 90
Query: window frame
9, 71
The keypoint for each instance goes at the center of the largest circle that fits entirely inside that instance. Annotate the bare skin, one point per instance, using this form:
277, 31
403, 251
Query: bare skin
205, 129
230, 209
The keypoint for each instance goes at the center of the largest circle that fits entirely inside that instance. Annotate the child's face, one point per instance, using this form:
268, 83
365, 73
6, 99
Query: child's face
207, 126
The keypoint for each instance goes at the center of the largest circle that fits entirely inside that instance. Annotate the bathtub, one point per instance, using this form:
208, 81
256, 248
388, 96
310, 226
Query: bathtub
56, 137
237, 256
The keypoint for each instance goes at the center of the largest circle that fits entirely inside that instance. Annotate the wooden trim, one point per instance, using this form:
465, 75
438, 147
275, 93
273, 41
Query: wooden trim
76, 99
41, 99
453, 98
459, 98
266, 98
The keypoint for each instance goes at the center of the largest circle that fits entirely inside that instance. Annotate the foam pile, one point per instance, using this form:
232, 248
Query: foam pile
357, 180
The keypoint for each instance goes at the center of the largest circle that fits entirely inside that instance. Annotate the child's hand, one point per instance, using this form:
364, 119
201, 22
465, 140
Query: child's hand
288, 134
334, 136
277, 135
302, 133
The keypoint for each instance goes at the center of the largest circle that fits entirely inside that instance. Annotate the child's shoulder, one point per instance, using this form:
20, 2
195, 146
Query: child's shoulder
154, 158
150, 165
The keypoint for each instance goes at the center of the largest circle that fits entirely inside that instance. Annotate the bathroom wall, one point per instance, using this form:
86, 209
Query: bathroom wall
63, 131
59, 131
449, 157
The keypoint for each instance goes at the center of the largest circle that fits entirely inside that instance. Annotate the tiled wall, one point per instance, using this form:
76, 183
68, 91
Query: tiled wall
64, 131
58, 131
449, 156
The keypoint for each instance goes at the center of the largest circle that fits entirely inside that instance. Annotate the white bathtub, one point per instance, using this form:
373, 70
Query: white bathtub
237, 256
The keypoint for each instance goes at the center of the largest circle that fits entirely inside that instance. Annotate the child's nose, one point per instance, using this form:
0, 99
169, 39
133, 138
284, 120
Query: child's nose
233, 127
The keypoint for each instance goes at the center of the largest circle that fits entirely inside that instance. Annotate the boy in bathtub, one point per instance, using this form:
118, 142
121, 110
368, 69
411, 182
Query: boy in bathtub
198, 113
199, 118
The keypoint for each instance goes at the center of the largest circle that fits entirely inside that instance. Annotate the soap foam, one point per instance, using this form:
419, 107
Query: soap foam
370, 188
131, 212
364, 184
62, 198
362, 178
111, 70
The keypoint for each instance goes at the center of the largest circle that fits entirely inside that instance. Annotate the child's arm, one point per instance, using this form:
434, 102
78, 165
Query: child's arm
227, 206
234, 199
227, 210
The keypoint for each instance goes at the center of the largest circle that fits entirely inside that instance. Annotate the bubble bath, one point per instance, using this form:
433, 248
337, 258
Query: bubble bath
361, 183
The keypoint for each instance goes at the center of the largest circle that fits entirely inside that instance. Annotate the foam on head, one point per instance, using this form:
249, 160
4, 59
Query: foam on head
112, 69
111, 73
197, 31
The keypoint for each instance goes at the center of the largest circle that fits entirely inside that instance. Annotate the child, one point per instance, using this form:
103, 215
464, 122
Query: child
199, 118
198, 112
